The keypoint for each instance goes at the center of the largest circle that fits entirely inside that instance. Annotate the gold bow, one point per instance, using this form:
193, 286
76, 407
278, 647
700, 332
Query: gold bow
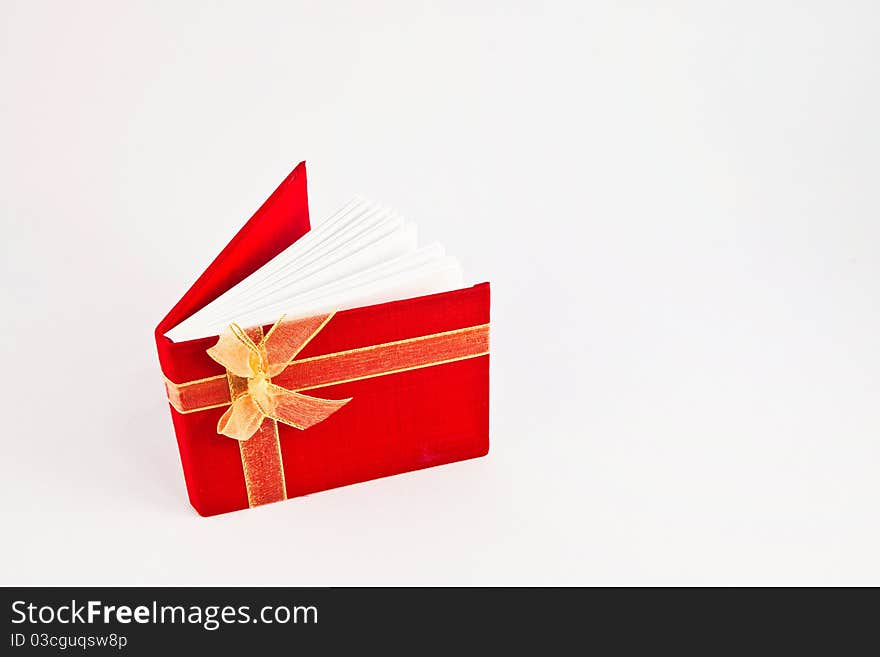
251, 360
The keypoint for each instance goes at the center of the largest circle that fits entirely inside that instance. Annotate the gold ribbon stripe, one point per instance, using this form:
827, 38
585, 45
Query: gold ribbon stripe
343, 366
261, 453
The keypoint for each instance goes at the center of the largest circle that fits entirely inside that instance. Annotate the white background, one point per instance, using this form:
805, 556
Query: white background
677, 208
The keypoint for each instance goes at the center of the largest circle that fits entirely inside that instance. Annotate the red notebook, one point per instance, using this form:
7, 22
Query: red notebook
300, 362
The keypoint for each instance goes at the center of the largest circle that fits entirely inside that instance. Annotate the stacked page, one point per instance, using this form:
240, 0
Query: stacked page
362, 255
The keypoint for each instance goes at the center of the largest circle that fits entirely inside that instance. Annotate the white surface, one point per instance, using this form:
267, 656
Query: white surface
677, 209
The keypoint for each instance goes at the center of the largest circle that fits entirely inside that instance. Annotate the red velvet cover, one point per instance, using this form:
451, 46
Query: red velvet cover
395, 423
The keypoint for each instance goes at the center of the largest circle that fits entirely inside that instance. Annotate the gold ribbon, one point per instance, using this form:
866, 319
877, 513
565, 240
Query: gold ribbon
263, 383
257, 397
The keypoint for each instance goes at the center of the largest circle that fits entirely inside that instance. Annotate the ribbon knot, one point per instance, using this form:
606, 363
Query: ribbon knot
258, 388
251, 360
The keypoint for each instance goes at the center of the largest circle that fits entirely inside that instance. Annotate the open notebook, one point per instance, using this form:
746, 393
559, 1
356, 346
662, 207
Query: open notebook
362, 255
304, 359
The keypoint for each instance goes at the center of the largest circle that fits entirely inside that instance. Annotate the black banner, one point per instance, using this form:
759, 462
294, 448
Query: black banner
258, 621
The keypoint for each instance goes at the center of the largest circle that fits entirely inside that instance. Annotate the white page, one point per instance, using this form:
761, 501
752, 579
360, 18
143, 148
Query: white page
309, 244
363, 254
359, 257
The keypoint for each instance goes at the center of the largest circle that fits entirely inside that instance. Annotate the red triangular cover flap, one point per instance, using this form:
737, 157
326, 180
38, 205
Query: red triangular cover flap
279, 222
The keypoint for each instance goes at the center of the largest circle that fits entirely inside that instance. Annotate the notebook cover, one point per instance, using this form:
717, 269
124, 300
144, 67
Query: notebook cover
395, 423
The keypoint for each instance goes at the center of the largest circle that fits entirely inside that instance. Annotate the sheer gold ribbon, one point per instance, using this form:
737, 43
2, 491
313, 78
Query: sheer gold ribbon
263, 383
